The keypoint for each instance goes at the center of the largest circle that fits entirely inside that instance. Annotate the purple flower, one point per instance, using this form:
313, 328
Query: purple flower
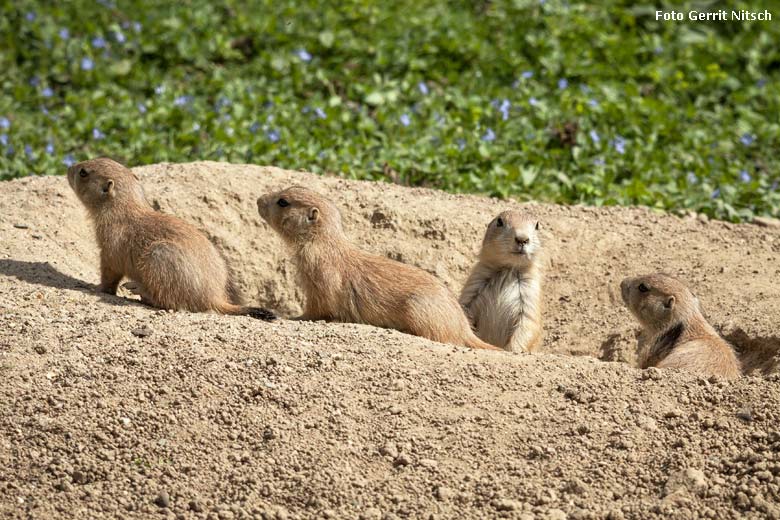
4, 139
658, 50
141, 107
461, 143
439, 119
98, 42
159, 89
303, 55
593, 103
691, 177
774, 186
598, 161
87, 64
533, 101
255, 127
563, 83
489, 136
97, 134
423, 88
9, 151
119, 36
44, 111
619, 144
761, 83
527, 74
64, 33
28, 151
594, 136
272, 135
50, 148
30, 16
69, 161
504, 109
747, 139
181, 101
320, 113
195, 127
47, 92
405, 119
34, 81
715, 194
585, 89
744, 176
137, 27
5, 124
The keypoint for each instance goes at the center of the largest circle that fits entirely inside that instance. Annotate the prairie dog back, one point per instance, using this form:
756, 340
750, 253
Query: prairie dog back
502, 295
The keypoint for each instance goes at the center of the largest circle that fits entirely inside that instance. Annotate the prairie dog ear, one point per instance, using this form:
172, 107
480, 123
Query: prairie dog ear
314, 215
669, 303
108, 188
537, 226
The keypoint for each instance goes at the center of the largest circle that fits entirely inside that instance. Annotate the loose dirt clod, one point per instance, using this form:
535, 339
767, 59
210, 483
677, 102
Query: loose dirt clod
236, 418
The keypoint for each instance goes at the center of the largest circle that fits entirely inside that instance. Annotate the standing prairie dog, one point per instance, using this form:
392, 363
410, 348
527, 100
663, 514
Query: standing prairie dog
674, 332
503, 292
343, 283
170, 263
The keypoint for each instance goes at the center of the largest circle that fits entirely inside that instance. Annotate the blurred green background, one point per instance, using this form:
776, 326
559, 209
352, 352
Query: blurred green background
553, 100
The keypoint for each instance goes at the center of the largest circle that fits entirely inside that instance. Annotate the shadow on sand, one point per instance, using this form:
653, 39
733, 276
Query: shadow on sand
759, 355
43, 273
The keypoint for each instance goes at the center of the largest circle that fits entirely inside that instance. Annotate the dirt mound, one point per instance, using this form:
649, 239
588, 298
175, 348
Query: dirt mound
111, 409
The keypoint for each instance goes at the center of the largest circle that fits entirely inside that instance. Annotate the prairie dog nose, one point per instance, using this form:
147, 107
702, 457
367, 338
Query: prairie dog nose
521, 240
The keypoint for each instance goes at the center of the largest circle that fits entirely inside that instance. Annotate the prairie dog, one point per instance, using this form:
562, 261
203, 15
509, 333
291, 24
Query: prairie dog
343, 283
171, 264
674, 332
502, 294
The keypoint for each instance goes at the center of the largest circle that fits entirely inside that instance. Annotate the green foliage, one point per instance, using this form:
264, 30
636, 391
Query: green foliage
560, 101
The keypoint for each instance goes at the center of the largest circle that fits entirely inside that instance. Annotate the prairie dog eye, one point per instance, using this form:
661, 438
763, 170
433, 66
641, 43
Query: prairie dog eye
83, 173
643, 288
500, 222
282, 203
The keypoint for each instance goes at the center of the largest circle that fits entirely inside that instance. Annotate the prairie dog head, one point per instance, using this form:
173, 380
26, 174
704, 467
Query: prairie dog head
512, 239
657, 300
101, 182
299, 214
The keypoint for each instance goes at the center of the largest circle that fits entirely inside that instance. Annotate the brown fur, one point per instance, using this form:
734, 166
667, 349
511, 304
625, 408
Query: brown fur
343, 283
172, 265
502, 295
674, 333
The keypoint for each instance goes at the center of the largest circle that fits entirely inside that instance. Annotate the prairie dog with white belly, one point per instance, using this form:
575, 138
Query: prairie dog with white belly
502, 295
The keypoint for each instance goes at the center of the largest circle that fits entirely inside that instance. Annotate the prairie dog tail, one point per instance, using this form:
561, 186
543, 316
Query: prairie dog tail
472, 341
239, 310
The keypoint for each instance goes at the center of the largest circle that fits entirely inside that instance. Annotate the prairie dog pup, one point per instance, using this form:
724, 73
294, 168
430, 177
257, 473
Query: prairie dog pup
343, 283
502, 294
674, 332
172, 265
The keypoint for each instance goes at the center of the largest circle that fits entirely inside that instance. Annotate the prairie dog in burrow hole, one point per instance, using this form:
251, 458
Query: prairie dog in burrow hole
343, 283
502, 295
674, 333
170, 263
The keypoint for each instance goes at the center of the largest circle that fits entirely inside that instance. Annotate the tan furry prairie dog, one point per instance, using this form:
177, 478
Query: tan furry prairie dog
343, 283
674, 332
503, 292
171, 264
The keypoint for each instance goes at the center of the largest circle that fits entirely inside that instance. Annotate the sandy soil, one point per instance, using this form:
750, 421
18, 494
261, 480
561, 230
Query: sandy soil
111, 409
